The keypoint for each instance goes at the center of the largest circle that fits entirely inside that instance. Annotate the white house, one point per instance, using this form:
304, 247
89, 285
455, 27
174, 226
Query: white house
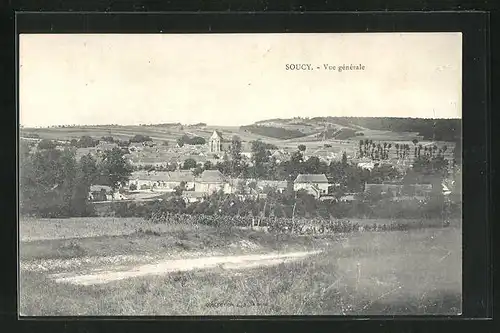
315, 184
161, 181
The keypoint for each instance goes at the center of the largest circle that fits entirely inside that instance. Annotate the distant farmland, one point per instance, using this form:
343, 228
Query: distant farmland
284, 133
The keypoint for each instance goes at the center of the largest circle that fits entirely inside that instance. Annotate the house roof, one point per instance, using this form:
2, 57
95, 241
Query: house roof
216, 135
176, 176
311, 178
106, 145
193, 194
98, 188
212, 176
273, 183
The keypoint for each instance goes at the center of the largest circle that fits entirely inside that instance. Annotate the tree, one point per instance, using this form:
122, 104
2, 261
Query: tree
138, 138
181, 188
47, 183
344, 158
46, 144
197, 140
86, 142
235, 151
197, 171
302, 148
114, 168
312, 165
240, 187
87, 172
208, 165
185, 139
260, 154
180, 142
457, 151
189, 164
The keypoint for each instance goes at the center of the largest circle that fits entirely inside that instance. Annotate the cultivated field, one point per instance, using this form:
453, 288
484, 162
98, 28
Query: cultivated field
129, 267
173, 133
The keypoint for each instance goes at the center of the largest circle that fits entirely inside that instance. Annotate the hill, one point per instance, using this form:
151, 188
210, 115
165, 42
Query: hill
342, 133
377, 128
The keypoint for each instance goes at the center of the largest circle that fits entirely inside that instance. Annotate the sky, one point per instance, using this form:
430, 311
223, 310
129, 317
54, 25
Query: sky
235, 79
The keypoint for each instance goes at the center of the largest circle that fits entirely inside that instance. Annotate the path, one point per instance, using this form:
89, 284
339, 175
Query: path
180, 265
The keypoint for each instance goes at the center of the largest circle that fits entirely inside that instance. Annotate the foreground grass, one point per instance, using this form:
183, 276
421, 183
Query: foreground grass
35, 229
416, 272
169, 240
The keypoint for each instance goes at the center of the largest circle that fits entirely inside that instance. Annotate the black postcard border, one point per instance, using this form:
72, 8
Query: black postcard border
477, 226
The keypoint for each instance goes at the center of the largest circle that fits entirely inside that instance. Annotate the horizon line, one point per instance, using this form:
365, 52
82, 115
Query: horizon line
212, 125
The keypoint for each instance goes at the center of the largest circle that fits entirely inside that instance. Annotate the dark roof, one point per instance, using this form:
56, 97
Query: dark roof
311, 178
211, 176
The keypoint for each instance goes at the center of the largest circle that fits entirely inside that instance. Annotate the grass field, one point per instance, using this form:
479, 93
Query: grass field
172, 133
416, 272
84, 227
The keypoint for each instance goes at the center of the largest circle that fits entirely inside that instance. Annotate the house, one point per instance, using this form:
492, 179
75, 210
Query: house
104, 146
192, 196
210, 181
99, 192
149, 144
366, 165
347, 198
277, 185
315, 184
280, 156
136, 146
323, 154
162, 181
104, 193
399, 190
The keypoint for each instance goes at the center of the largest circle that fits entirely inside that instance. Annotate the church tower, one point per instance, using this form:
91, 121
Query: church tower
215, 143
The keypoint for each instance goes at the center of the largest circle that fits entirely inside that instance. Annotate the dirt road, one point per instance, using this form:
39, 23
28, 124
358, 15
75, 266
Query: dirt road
179, 265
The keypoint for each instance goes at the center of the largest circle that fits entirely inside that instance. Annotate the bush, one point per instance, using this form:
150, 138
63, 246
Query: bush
273, 132
138, 138
46, 144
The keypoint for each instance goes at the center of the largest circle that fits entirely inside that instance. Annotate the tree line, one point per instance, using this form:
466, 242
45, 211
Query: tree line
291, 206
53, 183
430, 129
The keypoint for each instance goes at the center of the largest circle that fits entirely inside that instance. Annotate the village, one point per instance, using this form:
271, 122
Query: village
189, 171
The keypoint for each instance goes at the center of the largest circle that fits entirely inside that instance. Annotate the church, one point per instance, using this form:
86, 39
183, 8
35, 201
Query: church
215, 143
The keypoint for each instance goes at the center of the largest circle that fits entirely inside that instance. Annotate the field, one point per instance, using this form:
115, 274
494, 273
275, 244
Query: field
172, 133
115, 267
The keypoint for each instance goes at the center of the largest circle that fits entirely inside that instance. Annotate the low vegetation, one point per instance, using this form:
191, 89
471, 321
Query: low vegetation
273, 132
384, 273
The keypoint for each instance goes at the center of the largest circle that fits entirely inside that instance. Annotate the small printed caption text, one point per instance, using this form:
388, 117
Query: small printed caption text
325, 67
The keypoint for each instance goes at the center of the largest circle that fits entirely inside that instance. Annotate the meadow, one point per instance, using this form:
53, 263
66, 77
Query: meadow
390, 272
